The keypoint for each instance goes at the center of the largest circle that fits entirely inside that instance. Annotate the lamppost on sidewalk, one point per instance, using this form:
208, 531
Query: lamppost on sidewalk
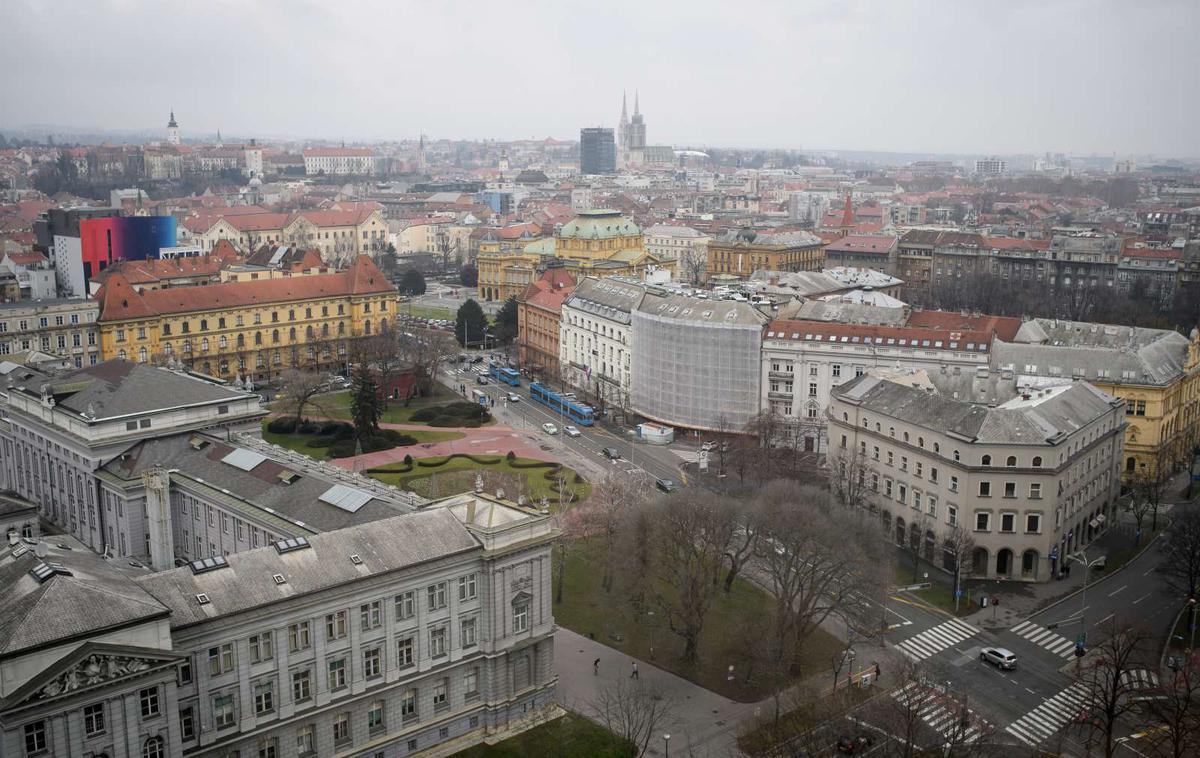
1082, 559
666, 745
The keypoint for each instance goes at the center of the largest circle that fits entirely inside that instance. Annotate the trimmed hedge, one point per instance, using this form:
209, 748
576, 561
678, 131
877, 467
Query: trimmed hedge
460, 413
424, 414
282, 425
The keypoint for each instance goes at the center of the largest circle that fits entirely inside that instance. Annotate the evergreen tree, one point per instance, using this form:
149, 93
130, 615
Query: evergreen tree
506, 321
411, 282
468, 275
469, 324
365, 406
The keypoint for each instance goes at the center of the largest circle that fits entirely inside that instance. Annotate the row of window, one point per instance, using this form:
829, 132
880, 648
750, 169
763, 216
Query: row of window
44, 321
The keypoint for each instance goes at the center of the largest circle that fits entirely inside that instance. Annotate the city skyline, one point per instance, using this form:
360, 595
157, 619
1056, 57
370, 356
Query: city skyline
823, 76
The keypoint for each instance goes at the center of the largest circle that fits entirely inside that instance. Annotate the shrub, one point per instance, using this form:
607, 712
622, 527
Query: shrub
309, 427
323, 440
470, 424
282, 425
424, 414
342, 449
511, 456
444, 421
337, 429
408, 461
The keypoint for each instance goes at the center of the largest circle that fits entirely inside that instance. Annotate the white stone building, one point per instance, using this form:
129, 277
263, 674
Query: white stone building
595, 338
358, 161
1029, 474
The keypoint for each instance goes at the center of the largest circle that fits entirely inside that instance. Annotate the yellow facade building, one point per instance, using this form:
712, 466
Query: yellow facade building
1155, 371
741, 252
252, 328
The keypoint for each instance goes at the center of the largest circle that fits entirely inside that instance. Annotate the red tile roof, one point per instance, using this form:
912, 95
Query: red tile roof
1004, 326
119, 301
862, 243
151, 270
27, 259
894, 336
551, 290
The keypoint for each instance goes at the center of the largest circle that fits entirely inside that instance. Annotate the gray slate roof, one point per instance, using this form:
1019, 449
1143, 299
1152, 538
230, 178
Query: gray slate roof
1041, 420
119, 388
851, 313
1072, 348
607, 298
97, 597
260, 487
247, 583
684, 308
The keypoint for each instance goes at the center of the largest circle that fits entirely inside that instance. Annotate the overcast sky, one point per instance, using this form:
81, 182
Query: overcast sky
998, 76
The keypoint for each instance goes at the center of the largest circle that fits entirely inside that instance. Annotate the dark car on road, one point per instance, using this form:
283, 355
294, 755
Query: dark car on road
667, 485
611, 453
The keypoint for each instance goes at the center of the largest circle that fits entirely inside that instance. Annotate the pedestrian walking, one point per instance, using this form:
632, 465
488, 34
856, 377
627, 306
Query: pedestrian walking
634, 673
596, 667
876, 669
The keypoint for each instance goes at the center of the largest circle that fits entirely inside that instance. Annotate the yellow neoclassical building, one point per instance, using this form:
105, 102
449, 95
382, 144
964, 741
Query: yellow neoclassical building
253, 329
1155, 371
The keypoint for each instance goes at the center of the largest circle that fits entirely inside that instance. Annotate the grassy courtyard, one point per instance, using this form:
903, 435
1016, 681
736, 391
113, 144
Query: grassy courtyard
337, 405
570, 736
439, 476
299, 442
728, 632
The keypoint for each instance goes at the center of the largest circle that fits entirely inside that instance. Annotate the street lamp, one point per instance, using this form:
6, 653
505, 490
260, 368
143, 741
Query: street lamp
1082, 559
667, 745
1191, 623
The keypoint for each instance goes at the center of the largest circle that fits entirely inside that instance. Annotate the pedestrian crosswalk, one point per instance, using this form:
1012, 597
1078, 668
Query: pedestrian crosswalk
943, 714
1042, 722
935, 640
1043, 637
1139, 679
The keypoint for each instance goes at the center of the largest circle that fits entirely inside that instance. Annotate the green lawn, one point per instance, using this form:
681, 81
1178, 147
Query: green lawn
439, 476
337, 405
571, 736
299, 442
938, 595
427, 311
729, 629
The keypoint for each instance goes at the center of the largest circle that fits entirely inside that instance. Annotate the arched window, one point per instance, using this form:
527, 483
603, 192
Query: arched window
341, 328
937, 448
142, 355
292, 334
222, 342
258, 338
957, 457
203, 324
153, 748
878, 428
367, 326
892, 432
845, 417
275, 336
223, 366
986, 460
324, 310
1037, 461
1012, 461
308, 313
324, 330
187, 346
920, 442
906, 436
309, 332
121, 355
241, 340
221, 322
204, 345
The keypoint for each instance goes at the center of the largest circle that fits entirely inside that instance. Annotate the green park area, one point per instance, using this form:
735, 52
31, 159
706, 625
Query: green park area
441, 408
569, 736
728, 637
426, 311
303, 443
443, 475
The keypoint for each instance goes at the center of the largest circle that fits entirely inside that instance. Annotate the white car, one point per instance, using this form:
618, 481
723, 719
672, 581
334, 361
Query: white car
549, 428
570, 431
514, 398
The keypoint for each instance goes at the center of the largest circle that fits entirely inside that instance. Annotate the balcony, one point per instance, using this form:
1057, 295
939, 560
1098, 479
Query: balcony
773, 395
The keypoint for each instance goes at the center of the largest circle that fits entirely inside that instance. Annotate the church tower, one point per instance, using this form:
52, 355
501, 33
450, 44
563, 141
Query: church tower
172, 130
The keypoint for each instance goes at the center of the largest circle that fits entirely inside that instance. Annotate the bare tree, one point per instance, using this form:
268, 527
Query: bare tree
1149, 487
1176, 710
746, 523
849, 475
917, 528
688, 542
1182, 549
1109, 678
634, 711
424, 353
301, 389
382, 353
819, 562
692, 265
958, 546
605, 512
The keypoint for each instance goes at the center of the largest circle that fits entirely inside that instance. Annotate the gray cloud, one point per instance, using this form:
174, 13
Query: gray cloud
922, 75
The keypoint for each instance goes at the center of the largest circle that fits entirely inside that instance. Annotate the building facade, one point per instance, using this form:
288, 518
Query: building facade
1030, 479
595, 338
66, 328
597, 151
429, 631
805, 361
251, 329
741, 252
539, 316
358, 161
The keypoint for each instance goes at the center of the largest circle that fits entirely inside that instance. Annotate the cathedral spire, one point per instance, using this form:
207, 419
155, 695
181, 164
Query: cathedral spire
624, 108
636, 109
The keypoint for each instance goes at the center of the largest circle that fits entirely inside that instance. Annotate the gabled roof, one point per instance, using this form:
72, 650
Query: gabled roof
863, 244
119, 302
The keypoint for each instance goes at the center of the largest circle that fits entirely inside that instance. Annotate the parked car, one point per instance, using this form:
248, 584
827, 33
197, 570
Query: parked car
999, 657
709, 446
571, 431
549, 428
514, 397
611, 453
667, 485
